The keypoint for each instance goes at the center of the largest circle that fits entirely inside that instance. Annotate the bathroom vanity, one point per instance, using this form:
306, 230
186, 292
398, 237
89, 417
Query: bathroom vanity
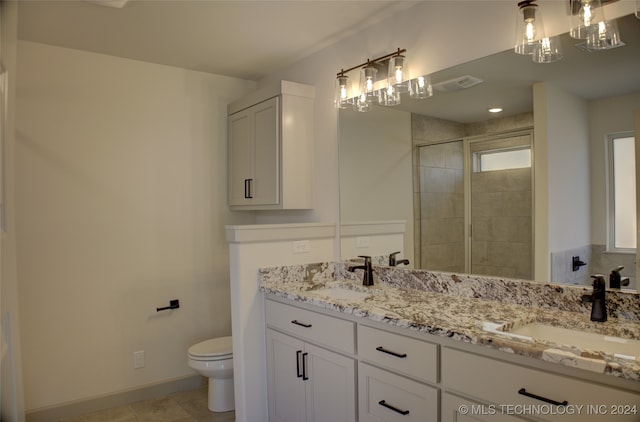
422, 346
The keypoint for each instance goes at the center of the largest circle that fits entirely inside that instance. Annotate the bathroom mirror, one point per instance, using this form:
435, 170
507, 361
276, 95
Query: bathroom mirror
381, 153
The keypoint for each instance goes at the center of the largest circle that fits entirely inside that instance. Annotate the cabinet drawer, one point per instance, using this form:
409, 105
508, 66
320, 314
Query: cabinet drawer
503, 383
318, 328
399, 353
384, 396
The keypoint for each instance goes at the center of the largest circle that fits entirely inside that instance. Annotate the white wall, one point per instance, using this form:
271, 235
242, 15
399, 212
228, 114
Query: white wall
608, 115
562, 187
121, 206
376, 180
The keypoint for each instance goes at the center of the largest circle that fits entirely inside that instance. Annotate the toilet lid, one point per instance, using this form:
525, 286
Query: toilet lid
213, 347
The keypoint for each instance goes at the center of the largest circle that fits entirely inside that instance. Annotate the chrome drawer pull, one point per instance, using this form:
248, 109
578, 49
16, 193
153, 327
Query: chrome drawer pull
395, 409
302, 324
389, 352
544, 399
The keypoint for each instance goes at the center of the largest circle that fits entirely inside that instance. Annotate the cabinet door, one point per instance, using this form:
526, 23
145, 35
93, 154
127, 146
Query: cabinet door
286, 388
458, 409
330, 389
241, 156
265, 186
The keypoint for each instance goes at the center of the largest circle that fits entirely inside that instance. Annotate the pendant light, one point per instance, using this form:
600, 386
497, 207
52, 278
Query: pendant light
529, 27
585, 15
389, 96
420, 87
548, 50
368, 77
605, 36
343, 91
399, 72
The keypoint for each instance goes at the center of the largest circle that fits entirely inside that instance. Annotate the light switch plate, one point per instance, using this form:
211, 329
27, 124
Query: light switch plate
362, 242
301, 246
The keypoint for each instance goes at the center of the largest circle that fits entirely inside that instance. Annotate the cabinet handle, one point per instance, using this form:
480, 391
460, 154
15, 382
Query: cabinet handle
389, 352
524, 392
304, 366
395, 409
302, 324
247, 188
298, 374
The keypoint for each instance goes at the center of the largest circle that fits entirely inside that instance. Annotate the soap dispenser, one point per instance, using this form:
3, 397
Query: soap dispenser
614, 278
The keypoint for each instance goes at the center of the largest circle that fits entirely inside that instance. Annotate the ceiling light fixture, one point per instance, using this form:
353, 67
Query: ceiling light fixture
585, 15
495, 110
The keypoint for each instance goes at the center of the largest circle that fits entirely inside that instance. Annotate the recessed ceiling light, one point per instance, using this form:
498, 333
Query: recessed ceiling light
495, 110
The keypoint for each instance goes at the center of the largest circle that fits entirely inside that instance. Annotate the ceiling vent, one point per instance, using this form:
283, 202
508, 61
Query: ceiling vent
457, 84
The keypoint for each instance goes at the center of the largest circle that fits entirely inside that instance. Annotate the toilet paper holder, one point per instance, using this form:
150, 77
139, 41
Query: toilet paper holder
173, 304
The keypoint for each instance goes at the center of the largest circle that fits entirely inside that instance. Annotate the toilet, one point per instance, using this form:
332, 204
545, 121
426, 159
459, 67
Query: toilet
214, 359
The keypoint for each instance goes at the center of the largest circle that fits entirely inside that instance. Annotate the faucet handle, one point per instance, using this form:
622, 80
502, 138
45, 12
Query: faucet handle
392, 258
367, 259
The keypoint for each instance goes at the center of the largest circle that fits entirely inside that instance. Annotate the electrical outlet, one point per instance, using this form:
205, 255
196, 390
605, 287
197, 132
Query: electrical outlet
362, 242
138, 359
301, 246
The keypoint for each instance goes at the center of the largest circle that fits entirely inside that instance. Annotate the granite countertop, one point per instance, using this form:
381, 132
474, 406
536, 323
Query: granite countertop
461, 308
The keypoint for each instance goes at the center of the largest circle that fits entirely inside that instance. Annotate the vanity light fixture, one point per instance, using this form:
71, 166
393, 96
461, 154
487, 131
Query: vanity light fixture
343, 91
548, 50
399, 72
382, 80
495, 110
605, 36
638, 9
421, 88
529, 27
585, 16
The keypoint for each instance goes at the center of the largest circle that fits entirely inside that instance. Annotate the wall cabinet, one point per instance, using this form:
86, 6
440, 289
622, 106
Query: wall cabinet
270, 149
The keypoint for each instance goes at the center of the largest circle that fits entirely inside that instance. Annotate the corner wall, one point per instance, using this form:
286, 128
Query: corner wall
121, 207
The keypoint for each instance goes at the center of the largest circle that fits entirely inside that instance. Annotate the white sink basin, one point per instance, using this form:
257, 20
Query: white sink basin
341, 293
582, 339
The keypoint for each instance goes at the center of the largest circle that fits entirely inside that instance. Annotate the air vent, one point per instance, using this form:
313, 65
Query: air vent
457, 84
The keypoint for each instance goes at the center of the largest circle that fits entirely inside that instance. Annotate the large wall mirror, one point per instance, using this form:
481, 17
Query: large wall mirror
521, 193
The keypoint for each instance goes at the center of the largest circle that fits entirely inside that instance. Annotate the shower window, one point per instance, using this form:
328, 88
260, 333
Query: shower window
622, 192
502, 159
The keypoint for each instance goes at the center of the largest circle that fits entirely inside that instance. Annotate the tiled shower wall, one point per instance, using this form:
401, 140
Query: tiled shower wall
440, 246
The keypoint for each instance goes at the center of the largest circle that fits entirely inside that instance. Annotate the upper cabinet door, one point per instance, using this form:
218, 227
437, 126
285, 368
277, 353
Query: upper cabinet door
271, 149
266, 179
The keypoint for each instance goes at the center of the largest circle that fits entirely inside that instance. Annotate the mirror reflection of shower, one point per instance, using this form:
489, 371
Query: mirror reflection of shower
476, 208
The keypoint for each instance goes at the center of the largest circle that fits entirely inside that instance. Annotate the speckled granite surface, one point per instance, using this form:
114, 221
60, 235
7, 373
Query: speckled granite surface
472, 309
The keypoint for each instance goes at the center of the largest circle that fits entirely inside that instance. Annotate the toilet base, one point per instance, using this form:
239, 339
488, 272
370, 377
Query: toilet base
221, 396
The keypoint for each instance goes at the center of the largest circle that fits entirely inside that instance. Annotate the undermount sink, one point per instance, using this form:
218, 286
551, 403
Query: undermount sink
573, 337
336, 292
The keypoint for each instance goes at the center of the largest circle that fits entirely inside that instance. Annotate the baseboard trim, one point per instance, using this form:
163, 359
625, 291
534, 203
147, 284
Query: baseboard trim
77, 408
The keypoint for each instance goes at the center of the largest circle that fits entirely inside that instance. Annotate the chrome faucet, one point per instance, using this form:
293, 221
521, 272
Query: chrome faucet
597, 299
367, 277
393, 261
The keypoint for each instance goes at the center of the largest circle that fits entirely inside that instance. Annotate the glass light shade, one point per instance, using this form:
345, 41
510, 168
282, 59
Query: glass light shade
549, 50
399, 73
368, 77
389, 96
529, 28
362, 104
420, 87
606, 36
343, 92
638, 9
585, 19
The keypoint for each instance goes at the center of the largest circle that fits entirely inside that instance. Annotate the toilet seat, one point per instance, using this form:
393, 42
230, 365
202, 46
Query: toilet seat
212, 349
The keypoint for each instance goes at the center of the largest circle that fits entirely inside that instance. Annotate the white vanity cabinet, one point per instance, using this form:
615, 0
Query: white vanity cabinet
270, 149
459, 409
306, 381
530, 393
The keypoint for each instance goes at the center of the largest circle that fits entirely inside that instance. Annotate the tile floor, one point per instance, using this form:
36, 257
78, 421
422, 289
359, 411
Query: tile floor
187, 406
